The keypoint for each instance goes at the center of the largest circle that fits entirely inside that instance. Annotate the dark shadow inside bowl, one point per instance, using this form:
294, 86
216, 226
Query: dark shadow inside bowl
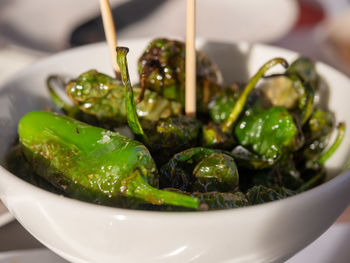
231, 61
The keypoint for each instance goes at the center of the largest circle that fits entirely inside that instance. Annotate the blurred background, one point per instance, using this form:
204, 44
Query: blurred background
33, 29
30, 30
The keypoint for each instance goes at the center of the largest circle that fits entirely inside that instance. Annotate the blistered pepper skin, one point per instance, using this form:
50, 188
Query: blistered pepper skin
200, 169
91, 163
163, 64
268, 132
102, 96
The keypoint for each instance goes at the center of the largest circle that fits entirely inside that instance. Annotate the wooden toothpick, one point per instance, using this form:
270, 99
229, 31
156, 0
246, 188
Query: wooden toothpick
190, 101
110, 33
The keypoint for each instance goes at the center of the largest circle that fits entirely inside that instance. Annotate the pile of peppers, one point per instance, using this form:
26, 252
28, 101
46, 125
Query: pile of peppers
249, 144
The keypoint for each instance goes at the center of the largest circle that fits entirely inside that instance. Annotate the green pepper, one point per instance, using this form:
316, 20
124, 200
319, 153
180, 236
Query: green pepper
267, 133
320, 124
98, 94
283, 174
294, 90
306, 70
163, 64
92, 163
164, 137
68, 109
317, 132
213, 137
217, 171
273, 132
219, 200
261, 194
312, 167
248, 159
200, 170
102, 97
17, 164
222, 104
211, 200
169, 136
305, 100
74, 111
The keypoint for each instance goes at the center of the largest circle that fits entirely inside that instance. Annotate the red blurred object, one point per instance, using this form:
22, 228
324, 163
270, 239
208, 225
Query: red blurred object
310, 13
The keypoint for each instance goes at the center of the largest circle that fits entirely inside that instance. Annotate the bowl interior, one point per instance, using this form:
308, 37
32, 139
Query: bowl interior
27, 91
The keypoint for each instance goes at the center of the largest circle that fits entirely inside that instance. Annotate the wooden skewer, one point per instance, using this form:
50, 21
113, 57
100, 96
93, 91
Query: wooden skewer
190, 101
110, 33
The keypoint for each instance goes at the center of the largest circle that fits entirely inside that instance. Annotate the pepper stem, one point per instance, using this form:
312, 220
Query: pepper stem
137, 187
70, 110
143, 87
131, 113
324, 157
239, 105
340, 136
306, 96
311, 183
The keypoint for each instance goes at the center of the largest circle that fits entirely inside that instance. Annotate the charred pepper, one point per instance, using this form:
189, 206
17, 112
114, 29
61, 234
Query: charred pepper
92, 163
163, 64
101, 97
164, 137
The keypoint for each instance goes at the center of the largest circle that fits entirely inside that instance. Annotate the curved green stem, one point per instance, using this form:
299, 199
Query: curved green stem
131, 113
323, 158
306, 97
239, 105
137, 187
70, 110
309, 184
340, 136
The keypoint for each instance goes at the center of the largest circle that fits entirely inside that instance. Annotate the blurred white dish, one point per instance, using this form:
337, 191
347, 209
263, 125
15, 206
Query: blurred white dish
5, 216
227, 20
333, 39
238, 20
83, 232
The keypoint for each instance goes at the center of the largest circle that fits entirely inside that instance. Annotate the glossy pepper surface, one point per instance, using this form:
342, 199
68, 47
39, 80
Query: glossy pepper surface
163, 64
268, 132
218, 200
92, 163
219, 136
102, 96
164, 137
200, 170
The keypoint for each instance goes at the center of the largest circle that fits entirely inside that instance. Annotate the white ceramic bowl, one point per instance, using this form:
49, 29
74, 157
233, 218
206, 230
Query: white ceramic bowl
84, 232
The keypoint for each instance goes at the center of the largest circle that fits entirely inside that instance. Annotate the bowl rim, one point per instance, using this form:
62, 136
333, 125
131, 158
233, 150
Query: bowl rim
324, 187
71, 202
